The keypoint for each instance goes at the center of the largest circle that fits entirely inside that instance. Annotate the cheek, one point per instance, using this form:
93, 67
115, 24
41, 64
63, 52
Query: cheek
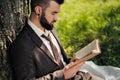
49, 18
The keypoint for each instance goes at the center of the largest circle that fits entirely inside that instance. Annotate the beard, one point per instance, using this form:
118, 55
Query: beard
43, 21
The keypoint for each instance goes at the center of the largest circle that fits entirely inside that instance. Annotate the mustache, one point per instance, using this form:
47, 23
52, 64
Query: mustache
53, 21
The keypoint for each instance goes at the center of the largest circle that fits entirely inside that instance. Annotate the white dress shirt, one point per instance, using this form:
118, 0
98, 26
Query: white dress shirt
39, 32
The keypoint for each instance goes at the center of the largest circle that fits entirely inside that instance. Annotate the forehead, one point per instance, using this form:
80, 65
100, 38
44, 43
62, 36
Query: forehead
54, 6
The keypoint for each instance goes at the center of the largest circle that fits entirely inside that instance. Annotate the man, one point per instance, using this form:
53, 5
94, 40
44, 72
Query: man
31, 54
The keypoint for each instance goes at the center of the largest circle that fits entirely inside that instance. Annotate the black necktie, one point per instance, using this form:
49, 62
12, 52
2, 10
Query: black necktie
55, 51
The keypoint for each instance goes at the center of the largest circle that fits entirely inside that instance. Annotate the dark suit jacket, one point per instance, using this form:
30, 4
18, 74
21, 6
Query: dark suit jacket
30, 58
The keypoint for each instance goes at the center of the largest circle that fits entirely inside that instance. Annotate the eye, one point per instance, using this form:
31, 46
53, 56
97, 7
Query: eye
54, 13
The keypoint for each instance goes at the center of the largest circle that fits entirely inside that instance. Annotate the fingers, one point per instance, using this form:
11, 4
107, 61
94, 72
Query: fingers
74, 59
78, 66
69, 71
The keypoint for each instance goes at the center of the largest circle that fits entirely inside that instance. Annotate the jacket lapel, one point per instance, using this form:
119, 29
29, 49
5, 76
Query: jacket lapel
40, 43
46, 51
62, 50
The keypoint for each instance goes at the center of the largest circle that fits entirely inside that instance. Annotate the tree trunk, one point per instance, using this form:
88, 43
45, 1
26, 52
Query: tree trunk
12, 17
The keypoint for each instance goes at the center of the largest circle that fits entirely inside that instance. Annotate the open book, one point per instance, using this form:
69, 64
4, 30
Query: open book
87, 52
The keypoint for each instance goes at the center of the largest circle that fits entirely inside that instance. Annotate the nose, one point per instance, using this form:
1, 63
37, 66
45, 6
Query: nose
56, 17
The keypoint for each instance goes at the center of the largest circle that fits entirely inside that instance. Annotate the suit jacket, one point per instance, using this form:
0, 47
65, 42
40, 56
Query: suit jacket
30, 58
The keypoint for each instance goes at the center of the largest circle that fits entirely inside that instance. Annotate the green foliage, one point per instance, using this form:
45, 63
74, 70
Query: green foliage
82, 21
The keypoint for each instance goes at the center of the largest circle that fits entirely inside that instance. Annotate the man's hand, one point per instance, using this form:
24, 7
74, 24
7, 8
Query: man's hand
70, 72
74, 59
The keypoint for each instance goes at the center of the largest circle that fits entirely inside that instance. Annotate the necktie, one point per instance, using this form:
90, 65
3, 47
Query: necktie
55, 51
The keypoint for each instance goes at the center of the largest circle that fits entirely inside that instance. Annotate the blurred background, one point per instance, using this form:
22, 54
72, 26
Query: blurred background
80, 22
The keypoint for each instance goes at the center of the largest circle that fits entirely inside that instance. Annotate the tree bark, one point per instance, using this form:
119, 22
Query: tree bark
12, 17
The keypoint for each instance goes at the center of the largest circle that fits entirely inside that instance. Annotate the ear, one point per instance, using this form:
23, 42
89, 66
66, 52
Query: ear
38, 10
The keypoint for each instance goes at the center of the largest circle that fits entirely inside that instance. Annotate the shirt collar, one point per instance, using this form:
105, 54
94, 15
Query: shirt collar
37, 30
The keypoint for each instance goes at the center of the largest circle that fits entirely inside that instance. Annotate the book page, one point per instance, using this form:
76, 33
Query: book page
93, 46
88, 52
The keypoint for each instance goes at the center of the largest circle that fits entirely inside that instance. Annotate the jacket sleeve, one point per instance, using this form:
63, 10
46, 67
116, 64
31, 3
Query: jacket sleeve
57, 75
24, 68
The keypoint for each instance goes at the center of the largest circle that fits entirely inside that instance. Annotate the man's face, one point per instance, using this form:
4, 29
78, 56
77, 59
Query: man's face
50, 15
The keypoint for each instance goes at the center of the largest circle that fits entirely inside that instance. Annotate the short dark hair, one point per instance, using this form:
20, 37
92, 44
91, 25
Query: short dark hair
43, 3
